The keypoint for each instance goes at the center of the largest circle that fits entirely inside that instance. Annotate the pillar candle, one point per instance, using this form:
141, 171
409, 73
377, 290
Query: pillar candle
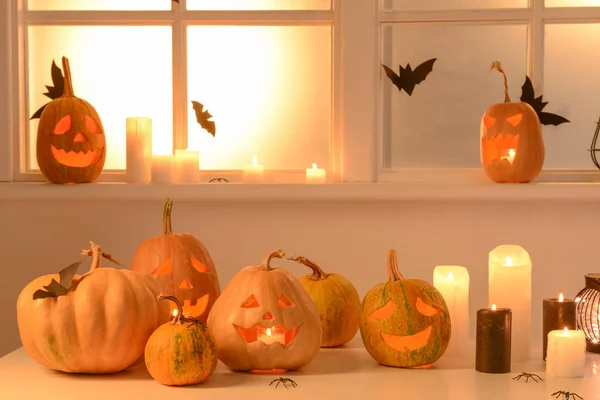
254, 172
566, 354
558, 313
453, 283
315, 175
162, 169
510, 287
493, 341
139, 149
187, 166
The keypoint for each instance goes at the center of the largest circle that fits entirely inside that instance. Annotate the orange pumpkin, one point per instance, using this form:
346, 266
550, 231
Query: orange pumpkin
180, 352
512, 146
404, 322
181, 266
71, 146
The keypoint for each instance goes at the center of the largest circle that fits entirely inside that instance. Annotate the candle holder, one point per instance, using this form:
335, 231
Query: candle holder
593, 148
588, 312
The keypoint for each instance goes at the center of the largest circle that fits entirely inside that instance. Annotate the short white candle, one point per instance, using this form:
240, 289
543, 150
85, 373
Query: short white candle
139, 149
187, 166
315, 175
510, 287
566, 354
162, 169
253, 172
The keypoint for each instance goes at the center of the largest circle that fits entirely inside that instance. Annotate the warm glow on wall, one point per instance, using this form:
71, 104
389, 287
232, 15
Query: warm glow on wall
572, 3
136, 5
258, 4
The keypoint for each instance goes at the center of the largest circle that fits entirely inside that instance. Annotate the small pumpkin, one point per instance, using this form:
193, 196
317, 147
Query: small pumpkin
181, 266
96, 323
181, 352
404, 322
265, 321
71, 145
512, 146
336, 299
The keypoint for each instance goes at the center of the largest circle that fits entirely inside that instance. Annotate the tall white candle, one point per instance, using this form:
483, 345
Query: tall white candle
187, 166
162, 169
254, 172
510, 287
453, 283
315, 175
139, 149
566, 354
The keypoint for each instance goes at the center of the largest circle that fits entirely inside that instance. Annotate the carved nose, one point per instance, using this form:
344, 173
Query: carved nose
268, 315
185, 284
79, 138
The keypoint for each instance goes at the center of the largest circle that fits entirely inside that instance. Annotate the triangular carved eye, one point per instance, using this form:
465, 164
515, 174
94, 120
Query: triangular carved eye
284, 301
515, 119
164, 268
488, 121
63, 125
199, 265
250, 302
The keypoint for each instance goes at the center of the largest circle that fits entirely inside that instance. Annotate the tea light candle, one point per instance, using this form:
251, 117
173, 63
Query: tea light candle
187, 164
558, 313
270, 336
253, 172
162, 169
315, 175
139, 149
493, 341
509, 155
510, 285
566, 354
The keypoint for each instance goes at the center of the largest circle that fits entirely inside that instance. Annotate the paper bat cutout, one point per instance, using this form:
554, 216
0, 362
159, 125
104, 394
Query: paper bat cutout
54, 92
55, 289
408, 78
528, 96
203, 118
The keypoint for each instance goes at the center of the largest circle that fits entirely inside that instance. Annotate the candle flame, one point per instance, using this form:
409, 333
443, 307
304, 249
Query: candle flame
566, 331
509, 261
512, 152
314, 166
450, 276
269, 332
175, 312
561, 298
254, 160
493, 307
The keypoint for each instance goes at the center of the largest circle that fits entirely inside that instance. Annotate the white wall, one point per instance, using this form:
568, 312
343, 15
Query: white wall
40, 237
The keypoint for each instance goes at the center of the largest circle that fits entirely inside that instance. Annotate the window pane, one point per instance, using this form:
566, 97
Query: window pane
269, 89
572, 3
438, 127
571, 85
135, 5
406, 5
121, 71
259, 4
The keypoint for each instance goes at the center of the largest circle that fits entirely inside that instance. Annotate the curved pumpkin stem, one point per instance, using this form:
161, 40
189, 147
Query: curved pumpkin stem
317, 274
496, 65
180, 318
97, 255
166, 220
68, 85
392, 266
265, 265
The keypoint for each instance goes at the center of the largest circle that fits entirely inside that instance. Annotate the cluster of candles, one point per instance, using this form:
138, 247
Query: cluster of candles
510, 297
184, 166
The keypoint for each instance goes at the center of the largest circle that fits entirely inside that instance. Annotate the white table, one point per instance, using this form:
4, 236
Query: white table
344, 373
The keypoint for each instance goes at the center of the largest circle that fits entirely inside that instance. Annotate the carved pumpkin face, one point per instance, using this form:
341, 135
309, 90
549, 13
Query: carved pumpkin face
264, 320
404, 322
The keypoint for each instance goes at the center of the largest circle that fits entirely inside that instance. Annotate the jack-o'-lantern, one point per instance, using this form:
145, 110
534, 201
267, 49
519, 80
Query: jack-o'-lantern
264, 321
404, 322
71, 146
512, 147
181, 266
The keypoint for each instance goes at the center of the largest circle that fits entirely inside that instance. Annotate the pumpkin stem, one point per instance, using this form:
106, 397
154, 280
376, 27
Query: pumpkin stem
68, 85
265, 265
496, 65
179, 316
166, 220
392, 265
317, 274
97, 255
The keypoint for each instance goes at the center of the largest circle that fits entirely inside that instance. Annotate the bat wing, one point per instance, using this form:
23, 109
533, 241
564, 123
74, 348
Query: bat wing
422, 71
393, 77
551, 119
203, 118
527, 94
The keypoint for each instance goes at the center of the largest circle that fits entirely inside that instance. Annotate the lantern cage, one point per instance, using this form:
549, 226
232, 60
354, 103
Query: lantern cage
593, 150
588, 312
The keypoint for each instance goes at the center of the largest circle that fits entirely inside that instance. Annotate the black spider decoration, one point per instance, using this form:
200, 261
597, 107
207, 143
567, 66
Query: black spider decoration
527, 377
284, 381
213, 180
567, 395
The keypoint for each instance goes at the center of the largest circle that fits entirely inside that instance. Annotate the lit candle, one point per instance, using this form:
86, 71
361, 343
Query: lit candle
510, 286
253, 172
453, 283
566, 354
139, 149
509, 155
315, 175
558, 313
493, 341
270, 336
187, 164
162, 169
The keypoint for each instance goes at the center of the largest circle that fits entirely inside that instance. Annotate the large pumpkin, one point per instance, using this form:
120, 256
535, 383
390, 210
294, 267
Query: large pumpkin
404, 322
336, 299
265, 321
71, 146
98, 323
181, 266
512, 146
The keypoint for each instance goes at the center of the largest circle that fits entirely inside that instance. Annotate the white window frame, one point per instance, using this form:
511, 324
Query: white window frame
354, 75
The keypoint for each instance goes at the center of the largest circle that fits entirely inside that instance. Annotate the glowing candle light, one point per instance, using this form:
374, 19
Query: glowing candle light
557, 313
566, 354
254, 172
315, 175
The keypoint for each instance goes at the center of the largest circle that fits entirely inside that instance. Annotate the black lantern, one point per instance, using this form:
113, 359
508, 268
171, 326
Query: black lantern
593, 150
588, 312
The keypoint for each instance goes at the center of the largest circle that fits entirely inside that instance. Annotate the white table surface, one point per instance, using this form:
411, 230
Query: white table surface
343, 373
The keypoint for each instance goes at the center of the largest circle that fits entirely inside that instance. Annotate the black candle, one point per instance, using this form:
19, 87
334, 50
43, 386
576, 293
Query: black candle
558, 314
492, 352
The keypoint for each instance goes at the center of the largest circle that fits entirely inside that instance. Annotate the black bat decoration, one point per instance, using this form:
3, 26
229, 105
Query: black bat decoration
408, 78
54, 92
203, 117
537, 103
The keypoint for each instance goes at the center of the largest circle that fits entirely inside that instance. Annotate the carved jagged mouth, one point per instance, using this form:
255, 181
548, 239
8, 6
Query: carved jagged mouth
500, 147
407, 343
193, 308
79, 159
276, 334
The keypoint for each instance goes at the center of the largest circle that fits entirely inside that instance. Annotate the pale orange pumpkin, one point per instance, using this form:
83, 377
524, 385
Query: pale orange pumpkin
265, 321
99, 324
181, 266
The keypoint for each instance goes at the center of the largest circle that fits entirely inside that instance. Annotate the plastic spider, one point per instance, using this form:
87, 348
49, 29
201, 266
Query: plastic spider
528, 376
567, 395
213, 180
284, 381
